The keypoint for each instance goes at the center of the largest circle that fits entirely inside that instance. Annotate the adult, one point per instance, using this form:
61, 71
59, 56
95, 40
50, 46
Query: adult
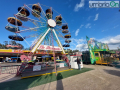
78, 62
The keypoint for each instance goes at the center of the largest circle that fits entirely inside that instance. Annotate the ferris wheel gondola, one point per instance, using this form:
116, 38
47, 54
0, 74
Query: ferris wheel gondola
12, 29
58, 20
49, 14
67, 41
36, 10
15, 37
14, 21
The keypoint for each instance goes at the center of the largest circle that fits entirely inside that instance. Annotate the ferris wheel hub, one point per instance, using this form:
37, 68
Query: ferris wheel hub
51, 23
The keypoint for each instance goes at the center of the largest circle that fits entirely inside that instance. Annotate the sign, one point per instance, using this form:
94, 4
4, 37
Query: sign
61, 64
103, 4
18, 51
37, 68
46, 47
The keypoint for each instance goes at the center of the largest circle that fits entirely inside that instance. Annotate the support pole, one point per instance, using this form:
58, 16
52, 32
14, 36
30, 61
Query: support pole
53, 52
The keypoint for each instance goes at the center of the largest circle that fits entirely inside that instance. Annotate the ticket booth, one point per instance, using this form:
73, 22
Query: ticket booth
73, 61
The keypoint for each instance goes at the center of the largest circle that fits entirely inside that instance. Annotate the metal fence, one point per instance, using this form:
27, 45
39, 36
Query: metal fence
11, 69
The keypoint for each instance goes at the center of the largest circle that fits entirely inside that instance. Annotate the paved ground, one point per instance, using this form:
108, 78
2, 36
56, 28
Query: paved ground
102, 78
8, 77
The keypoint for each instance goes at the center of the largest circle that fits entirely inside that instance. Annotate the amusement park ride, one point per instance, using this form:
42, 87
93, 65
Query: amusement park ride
45, 29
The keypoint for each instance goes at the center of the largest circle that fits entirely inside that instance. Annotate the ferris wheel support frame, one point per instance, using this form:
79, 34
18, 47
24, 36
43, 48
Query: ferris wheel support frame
41, 39
59, 41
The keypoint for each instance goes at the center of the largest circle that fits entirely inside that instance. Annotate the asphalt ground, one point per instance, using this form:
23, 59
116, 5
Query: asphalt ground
101, 78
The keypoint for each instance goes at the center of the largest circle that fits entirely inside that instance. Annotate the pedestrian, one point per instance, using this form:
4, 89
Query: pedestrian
78, 62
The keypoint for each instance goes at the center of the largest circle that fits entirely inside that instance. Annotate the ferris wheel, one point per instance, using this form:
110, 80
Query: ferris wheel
41, 24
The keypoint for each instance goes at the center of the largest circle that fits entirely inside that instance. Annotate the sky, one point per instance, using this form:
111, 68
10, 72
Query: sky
102, 24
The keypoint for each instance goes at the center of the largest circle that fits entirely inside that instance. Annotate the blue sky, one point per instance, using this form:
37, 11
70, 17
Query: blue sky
101, 24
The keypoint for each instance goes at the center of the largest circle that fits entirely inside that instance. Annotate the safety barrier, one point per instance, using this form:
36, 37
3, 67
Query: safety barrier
40, 67
11, 69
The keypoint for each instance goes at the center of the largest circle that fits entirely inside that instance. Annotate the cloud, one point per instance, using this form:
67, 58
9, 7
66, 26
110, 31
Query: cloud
96, 17
81, 44
103, 30
81, 26
88, 25
82, 47
77, 41
89, 18
113, 42
69, 6
115, 26
77, 31
78, 6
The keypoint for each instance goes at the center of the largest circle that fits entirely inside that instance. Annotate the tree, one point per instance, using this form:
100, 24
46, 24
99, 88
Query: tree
2, 46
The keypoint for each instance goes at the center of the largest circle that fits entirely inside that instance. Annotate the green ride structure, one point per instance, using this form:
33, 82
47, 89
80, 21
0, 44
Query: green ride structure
99, 52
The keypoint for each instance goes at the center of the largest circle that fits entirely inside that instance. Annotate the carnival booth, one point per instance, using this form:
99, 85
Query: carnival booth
73, 61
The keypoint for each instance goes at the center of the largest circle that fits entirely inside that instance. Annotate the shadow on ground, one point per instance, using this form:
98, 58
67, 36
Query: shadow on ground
116, 64
24, 84
59, 82
113, 72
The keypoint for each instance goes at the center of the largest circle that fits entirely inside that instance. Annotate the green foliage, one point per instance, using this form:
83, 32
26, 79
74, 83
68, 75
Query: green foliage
2, 46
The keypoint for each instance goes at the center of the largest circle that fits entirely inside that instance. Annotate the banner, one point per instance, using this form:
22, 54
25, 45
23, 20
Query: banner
37, 68
46, 47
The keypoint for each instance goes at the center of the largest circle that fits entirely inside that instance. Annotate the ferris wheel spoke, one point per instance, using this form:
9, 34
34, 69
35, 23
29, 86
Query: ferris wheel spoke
59, 28
32, 20
24, 39
33, 35
21, 9
30, 4
60, 34
30, 29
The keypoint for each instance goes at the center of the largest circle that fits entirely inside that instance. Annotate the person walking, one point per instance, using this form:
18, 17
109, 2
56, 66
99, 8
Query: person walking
78, 62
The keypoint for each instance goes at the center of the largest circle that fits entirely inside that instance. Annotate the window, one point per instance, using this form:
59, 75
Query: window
74, 57
96, 54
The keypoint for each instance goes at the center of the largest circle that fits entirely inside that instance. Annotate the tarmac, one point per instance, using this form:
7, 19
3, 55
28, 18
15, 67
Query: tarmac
101, 78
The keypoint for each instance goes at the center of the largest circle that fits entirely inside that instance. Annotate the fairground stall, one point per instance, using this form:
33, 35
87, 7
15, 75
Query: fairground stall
73, 60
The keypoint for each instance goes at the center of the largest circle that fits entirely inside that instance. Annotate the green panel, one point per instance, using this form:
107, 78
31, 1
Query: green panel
97, 58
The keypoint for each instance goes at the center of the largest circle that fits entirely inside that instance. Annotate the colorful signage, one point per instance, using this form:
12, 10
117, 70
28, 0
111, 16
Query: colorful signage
46, 47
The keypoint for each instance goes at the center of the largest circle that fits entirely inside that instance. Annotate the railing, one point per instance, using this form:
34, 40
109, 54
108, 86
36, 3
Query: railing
43, 67
11, 69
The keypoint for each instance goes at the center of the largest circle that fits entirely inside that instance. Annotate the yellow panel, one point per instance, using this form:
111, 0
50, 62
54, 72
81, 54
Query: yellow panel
26, 51
5, 50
